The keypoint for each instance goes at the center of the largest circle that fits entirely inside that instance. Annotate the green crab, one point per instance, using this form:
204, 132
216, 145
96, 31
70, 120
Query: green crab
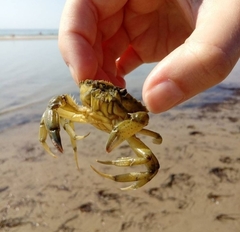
110, 109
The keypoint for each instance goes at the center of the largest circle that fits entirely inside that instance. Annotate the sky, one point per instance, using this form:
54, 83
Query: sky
30, 14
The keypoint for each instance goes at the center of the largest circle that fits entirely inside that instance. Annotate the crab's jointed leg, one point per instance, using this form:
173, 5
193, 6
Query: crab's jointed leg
145, 156
157, 138
68, 126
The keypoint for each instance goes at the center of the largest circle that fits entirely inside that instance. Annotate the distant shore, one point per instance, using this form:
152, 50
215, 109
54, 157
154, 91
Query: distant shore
28, 37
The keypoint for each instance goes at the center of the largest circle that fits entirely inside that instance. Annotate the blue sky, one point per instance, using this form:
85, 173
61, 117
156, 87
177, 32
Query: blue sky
30, 14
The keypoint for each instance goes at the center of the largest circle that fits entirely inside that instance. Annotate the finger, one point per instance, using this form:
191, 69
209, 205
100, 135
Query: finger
128, 61
76, 40
80, 39
112, 50
204, 60
141, 37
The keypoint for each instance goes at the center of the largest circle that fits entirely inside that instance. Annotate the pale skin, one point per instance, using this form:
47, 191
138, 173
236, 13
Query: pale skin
196, 42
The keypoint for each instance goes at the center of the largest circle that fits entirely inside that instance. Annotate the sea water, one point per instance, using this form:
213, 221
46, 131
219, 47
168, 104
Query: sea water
27, 32
32, 71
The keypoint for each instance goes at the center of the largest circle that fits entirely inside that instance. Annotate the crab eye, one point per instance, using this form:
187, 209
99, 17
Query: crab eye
88, 82
123, 92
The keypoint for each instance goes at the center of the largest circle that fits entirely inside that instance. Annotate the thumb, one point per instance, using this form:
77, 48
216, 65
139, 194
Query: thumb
204, 60
183, 74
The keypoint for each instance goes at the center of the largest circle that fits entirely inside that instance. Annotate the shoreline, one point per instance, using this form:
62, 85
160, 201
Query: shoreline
28, 37
25, 115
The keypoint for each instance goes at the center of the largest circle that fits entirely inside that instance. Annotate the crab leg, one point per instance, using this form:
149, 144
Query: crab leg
128, 177
157, 138
145, 156
68, 126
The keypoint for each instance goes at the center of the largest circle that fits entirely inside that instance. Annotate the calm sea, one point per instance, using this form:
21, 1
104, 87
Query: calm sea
32, 71
27, 32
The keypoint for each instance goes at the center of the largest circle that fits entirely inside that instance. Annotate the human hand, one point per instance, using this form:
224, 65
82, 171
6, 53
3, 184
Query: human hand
196, 42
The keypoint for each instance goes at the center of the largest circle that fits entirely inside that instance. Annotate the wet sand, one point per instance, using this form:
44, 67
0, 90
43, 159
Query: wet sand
197, 188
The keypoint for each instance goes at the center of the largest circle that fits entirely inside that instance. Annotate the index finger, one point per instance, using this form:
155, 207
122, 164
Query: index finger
80, 38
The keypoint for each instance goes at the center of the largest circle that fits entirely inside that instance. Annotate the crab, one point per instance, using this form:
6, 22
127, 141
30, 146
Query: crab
110, 109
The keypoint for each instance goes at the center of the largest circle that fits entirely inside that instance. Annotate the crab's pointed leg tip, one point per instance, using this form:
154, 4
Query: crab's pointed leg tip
103, 174
157, 140
98, 172
95, 170
50, 153
105, 162
128, 188
79, 137
108, 149
78, 168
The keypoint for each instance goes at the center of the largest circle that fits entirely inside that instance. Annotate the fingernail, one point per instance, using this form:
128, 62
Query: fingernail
73, 74
163, 96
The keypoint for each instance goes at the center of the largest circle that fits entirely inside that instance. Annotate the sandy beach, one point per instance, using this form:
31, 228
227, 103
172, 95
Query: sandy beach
197, 188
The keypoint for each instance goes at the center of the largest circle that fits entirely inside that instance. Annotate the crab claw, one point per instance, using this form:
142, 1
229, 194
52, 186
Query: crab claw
56, 139
126, 129
51, 121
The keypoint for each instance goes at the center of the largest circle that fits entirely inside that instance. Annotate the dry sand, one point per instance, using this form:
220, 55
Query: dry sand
197, 188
